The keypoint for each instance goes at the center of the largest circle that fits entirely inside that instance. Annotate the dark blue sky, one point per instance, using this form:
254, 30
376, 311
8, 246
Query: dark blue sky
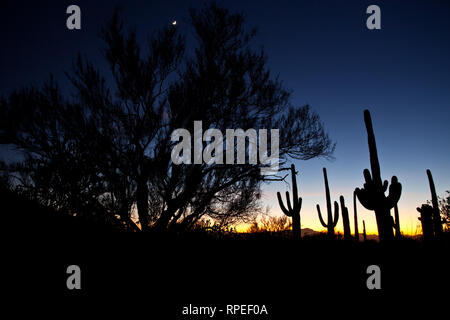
322, 51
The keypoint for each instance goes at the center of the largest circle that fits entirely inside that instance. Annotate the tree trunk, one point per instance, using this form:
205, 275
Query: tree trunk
163, 222
142, 202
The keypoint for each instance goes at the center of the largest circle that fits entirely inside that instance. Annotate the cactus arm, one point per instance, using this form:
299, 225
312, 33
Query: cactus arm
364, 198
385, 186
367, 178
342, 201
320, 217
288, 201
299, 203
336, 214
374, 163
395, 191
283, 208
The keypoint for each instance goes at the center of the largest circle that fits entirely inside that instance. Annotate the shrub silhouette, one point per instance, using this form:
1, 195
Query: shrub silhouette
270, 224
26, 216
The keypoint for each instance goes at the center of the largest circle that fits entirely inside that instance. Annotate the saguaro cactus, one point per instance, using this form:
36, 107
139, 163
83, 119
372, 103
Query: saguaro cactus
437, 222
426, 218
293, 212
355, 216
396, 223
364, 231
372, 195
345, 219
331, 222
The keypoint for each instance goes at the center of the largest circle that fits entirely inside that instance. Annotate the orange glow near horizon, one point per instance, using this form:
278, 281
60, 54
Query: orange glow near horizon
409, 223
243, 227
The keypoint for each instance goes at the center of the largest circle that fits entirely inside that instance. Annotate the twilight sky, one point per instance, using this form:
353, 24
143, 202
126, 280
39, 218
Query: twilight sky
323, 52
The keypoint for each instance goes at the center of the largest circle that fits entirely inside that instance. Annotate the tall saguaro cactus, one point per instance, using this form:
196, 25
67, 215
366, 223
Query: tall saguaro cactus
355, 216
293, 212
372, 195
345, 219
437, 222
332, 222
364, 231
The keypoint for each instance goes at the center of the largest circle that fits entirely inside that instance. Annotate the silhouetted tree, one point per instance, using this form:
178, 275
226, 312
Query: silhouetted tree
444, 205
109, 144
444, 208
60, 168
